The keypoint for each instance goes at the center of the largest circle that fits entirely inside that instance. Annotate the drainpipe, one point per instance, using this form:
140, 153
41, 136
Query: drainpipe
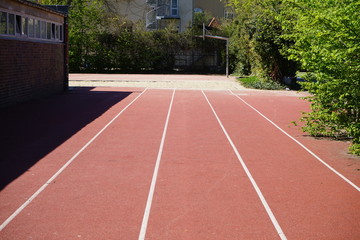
66, 54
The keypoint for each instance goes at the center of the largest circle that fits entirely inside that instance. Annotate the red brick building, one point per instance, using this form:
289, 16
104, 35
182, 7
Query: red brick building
33, 51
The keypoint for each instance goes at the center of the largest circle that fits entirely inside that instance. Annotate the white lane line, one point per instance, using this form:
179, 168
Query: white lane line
252, 180
302, 145
155, 174
9, 219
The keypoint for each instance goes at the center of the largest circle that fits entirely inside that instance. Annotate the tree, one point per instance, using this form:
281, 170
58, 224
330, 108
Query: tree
256, 42
85, 23
326, 40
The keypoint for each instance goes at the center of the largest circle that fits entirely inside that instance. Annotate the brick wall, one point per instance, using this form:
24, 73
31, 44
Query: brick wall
30, 70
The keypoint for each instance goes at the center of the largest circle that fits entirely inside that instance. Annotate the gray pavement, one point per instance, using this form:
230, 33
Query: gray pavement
179, 81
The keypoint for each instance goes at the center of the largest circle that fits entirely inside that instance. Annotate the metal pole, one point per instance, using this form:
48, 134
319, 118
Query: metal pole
203, 31
227, 47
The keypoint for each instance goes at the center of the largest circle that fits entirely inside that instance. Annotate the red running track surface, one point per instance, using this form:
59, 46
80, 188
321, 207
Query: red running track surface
201, 190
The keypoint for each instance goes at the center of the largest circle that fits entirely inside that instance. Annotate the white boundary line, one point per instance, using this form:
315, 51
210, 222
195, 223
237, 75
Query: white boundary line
155, 174
302, 145
252, 180
9, 219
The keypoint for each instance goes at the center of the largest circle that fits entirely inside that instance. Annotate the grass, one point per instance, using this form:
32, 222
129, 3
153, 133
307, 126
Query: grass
355, 148
256, 83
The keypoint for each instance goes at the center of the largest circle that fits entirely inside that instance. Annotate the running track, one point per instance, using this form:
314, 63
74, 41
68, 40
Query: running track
172, 164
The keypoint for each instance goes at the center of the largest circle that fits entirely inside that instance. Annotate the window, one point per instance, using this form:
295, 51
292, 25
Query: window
11, 24
31, 27
18, 25
37, 29
198, 10
228, 13
57, 32
48, 30
61, 33
174, 8
43, 29
24, 26
53, 33
3, 23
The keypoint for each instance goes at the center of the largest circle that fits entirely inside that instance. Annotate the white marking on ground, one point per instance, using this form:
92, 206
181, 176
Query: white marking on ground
302, 145
252, 180
155, 174
48, 182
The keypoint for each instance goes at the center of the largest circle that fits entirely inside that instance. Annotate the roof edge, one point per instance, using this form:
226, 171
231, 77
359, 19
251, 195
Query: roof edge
47, 8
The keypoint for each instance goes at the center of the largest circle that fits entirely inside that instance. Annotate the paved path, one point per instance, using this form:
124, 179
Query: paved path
144, 163
168, 81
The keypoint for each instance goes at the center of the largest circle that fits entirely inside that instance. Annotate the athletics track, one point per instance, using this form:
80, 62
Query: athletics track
135, 163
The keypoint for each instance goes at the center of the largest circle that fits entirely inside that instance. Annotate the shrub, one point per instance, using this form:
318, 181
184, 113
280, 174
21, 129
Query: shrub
325, 36
256, 83
255, 43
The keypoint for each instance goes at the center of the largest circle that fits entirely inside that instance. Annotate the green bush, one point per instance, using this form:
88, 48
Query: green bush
256, 83
325, 36
133, 51
255, 43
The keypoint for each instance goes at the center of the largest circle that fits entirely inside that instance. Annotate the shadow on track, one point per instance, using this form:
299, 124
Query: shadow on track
32, 130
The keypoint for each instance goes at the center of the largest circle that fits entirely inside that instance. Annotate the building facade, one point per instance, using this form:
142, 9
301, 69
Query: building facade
163, 13
216, 8
33, 51
158, 14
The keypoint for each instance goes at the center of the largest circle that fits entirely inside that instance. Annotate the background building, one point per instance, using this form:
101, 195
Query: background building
33, 51
178, 13
216, 8
158, 14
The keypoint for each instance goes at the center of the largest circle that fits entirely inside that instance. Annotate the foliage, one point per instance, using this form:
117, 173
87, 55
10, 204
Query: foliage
85, 23
102, 40
326, 40
321, 35
209, 44
256, 83
255, 40
136, 50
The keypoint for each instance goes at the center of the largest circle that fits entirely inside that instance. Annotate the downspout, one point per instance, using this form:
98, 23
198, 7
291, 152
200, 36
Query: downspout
66, 54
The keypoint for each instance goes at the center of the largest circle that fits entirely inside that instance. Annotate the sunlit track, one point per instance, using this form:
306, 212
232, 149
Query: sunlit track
300, 144
154, 178
252, 180
285, 170
182, 164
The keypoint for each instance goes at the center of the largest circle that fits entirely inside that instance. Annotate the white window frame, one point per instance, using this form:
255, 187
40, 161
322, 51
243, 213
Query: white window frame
174, 6
228, 13
21, 28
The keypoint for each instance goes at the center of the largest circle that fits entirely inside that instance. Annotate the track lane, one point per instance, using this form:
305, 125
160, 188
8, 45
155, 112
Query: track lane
309, 200
102, 193
202, 192
287, 109
155, 174
249, 175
